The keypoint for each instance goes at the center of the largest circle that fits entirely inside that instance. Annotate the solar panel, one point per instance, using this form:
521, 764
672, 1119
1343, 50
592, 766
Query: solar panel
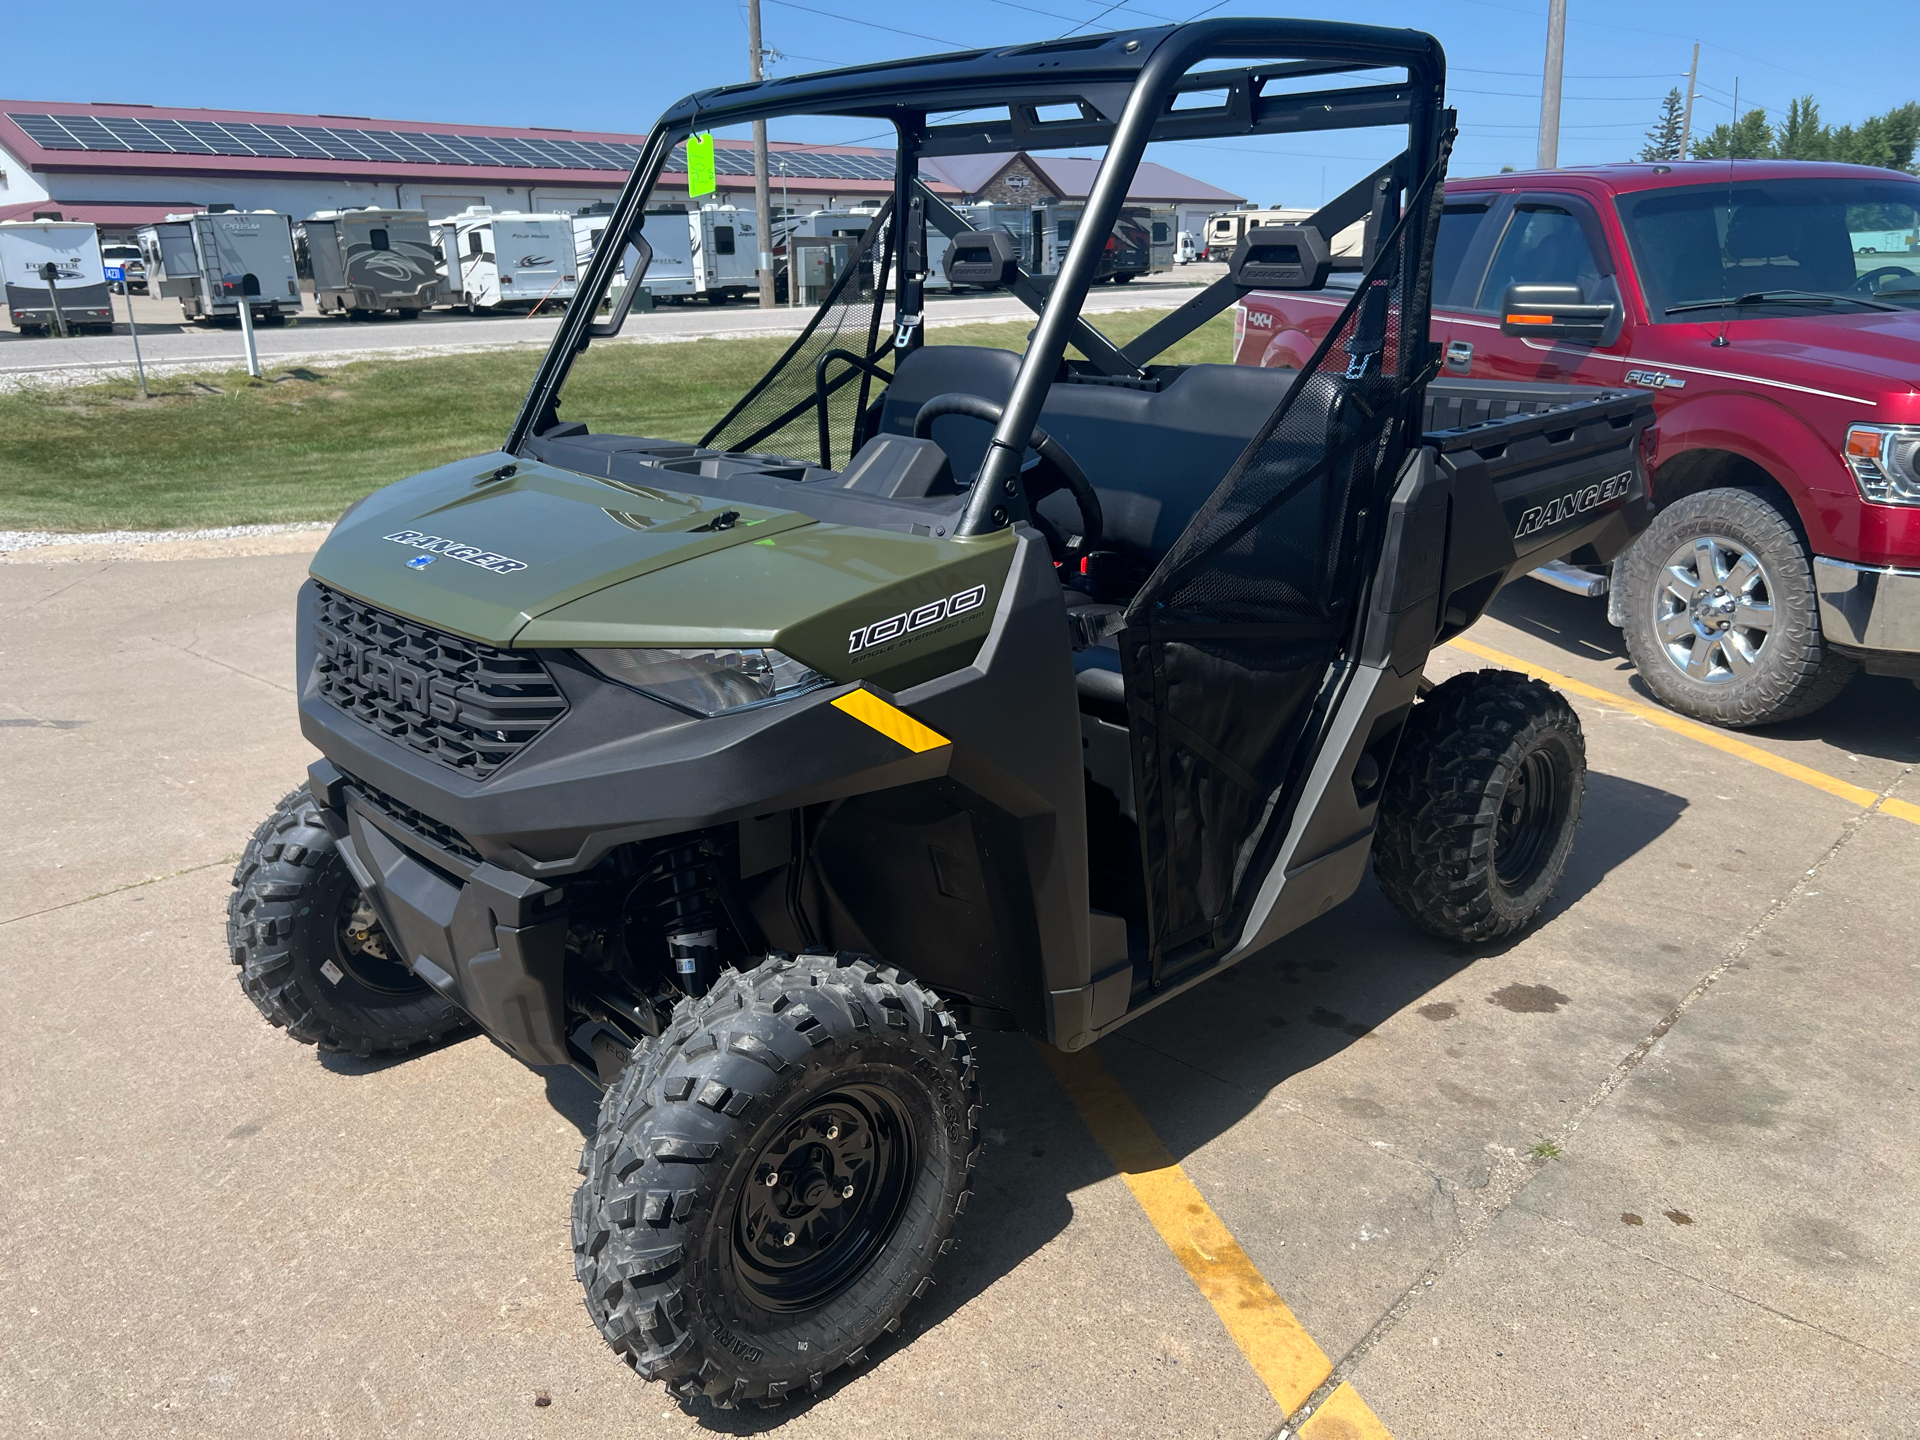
122, 133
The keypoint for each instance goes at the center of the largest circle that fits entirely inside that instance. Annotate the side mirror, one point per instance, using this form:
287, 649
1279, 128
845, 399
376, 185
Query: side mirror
1281, 257
981, 257
1554, 312
639, 256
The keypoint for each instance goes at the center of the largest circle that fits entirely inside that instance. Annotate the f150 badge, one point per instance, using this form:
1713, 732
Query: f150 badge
454, 550
909, 622
1564, 507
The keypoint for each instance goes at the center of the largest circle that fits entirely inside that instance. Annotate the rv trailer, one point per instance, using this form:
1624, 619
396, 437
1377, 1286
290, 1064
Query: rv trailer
211, 261
507, 259
370, 260
69, 252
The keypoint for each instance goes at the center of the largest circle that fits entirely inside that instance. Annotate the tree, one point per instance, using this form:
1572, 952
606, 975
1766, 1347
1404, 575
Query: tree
1664, 140
1749, 139
1801, 136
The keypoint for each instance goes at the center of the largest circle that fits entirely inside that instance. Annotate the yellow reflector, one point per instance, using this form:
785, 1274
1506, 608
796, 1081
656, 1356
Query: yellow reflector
891, 721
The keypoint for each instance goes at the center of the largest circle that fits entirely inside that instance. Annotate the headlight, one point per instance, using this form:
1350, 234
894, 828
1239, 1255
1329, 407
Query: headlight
1885, 459
708, 681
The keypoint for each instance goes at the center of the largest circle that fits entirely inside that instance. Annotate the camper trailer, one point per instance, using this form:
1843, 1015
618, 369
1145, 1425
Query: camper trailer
1052, 230
368, 261
507, 260
712, 252
211, 261
1225, 231
47, 261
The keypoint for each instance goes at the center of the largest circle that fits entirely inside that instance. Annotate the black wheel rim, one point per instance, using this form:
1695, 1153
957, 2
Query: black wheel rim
822, 1199
1528, 821
358, 942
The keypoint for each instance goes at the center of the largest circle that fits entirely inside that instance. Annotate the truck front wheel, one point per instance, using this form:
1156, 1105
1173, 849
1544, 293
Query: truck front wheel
773, 1179
1722, 619
311, 953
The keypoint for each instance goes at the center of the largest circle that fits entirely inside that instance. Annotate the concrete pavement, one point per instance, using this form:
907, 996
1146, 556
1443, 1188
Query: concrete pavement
209, 1231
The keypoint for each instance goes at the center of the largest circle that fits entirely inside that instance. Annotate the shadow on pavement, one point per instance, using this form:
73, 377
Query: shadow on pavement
1877, 715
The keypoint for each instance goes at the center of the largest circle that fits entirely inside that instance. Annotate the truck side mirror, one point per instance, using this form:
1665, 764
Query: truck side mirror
1554, 312
639, 257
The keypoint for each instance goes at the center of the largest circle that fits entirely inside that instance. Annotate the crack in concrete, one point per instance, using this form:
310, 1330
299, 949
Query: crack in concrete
1506, 1182
1715, 1286
121, 889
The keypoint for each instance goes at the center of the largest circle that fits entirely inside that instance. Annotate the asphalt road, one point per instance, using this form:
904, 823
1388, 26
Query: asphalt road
209, 1231
168, 345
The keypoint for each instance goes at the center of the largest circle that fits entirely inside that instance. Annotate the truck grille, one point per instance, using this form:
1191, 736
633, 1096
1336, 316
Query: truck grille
468, 706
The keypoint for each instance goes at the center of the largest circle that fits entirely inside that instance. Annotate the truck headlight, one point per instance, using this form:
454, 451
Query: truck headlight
710, 680
1885, 460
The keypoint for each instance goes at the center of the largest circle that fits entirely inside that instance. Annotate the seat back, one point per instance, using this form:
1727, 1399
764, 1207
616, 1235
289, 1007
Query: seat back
1153, 454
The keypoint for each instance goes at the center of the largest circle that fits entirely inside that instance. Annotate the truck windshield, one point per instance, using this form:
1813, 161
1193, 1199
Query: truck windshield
1842, 240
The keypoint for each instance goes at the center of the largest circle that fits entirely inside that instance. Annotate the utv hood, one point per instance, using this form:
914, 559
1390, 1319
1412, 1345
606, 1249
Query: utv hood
470, 550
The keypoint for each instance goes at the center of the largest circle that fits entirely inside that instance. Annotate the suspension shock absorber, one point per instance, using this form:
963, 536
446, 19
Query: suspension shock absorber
681, 896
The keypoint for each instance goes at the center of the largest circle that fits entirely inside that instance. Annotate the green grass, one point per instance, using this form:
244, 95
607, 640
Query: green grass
303, 443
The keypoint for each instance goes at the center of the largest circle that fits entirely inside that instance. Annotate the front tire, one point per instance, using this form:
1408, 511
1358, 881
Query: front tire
1723, 623
773, 1179
311, 953
1480, 809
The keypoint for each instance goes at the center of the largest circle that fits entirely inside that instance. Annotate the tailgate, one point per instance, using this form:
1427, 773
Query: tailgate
1539, 473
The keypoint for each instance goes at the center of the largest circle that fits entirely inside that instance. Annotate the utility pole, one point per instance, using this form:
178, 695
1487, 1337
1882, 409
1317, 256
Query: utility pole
1686, 125
1550, 85
762, 202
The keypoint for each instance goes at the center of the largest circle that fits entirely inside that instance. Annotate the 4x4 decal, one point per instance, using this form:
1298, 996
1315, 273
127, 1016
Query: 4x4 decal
1564, 507
909, 621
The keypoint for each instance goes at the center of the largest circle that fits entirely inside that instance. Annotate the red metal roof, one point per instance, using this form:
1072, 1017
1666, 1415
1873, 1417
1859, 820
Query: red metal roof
125, 162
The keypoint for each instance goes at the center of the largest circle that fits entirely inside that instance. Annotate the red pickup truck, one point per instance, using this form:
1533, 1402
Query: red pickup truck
1774, 310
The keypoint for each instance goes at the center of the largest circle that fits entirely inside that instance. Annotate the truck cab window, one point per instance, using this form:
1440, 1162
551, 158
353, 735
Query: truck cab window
1543, 246
723, 239
1459, 225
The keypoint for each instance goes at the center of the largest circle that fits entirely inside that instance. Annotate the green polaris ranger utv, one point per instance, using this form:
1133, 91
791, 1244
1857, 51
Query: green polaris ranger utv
938, 689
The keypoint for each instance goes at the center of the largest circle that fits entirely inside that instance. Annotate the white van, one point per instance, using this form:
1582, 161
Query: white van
72, 248
506, 259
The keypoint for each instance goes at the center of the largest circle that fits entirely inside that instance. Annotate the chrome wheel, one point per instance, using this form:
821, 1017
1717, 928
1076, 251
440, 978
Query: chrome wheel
1713, 612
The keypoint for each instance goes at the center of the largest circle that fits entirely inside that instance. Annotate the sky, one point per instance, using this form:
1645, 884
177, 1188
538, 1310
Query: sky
615, 67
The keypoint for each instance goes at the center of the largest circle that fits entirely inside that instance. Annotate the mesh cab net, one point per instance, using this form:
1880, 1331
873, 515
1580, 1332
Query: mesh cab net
1229, 643
812, 404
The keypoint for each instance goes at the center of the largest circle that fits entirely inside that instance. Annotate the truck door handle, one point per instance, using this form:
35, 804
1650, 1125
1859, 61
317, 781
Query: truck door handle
1459, 356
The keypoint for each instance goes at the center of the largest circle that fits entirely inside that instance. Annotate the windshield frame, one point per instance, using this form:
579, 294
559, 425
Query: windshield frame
1125, 86
1658, 304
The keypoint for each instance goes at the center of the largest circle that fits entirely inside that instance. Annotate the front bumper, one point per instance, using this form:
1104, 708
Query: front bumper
1868, 607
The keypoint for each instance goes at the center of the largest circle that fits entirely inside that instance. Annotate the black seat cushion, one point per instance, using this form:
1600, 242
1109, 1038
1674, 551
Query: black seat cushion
1153, 456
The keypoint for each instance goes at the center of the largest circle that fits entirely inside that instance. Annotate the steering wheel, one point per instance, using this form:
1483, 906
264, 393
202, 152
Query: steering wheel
1869, 283
1057, 470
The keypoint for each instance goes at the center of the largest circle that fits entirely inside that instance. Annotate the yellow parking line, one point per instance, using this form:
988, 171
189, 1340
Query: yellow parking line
1705, 734
1281, 1352
1343, 1416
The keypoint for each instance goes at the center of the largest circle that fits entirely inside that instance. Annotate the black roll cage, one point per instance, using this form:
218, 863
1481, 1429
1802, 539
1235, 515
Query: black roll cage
1123, 88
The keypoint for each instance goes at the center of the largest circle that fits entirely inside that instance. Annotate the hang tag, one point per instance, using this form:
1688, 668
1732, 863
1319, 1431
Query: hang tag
700, 179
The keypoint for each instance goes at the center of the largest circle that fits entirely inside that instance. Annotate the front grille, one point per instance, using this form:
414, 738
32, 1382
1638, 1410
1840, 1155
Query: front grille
425, 826
468, 706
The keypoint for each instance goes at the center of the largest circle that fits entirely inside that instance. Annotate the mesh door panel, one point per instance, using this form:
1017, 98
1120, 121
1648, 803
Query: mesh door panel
1231, 639
781, 414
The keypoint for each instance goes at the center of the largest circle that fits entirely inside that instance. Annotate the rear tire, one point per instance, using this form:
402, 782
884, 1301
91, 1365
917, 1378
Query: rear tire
311, 955
1481, 805
1684, 626
773, 1179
